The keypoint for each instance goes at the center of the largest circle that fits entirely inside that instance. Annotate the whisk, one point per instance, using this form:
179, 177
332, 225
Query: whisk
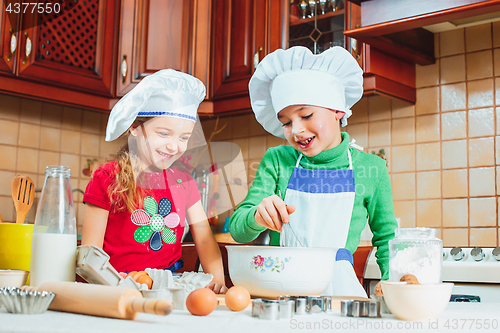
289, 227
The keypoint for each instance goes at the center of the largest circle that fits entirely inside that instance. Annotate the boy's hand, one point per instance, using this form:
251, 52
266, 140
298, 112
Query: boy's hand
271, 211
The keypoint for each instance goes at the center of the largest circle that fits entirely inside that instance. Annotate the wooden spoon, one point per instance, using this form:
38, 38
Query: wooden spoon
23, 193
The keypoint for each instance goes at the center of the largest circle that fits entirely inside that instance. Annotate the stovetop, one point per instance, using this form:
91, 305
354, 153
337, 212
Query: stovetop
465, 264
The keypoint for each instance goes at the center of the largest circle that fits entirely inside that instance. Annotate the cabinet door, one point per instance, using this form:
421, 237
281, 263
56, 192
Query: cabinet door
242, 31
154, 35
383, 73
9, 25
73, 49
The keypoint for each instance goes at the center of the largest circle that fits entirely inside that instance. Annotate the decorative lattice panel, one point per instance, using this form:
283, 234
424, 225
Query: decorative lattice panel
70, 37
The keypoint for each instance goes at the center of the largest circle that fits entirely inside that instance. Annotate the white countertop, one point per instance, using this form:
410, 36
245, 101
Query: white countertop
457, 317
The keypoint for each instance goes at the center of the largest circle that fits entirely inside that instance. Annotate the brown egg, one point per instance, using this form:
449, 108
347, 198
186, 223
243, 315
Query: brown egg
409, 279
237, 298
201, 302
145, 279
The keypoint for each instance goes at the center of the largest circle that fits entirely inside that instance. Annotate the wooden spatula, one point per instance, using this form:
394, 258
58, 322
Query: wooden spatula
23, 193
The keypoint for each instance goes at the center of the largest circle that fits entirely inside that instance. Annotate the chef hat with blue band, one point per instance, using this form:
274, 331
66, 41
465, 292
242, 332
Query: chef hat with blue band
165, 93
332, 79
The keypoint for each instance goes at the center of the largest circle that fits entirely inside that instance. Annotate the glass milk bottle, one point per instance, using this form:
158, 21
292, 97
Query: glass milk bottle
54, 235
416, 251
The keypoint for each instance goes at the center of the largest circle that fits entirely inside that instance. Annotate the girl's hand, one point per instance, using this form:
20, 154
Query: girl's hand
217, 287
271, 211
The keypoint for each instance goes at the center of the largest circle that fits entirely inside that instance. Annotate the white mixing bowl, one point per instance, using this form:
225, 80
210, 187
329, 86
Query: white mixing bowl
271, 271
13, 278
416, 302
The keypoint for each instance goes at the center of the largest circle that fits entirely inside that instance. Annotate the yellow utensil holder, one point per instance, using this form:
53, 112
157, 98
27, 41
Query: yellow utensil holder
15, 246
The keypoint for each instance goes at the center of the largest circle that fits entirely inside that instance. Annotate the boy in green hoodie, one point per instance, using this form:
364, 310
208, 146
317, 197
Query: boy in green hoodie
324, 189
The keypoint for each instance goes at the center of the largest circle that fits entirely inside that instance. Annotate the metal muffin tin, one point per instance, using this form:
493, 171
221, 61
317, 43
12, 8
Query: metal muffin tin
285, 307
16, 300
353, 308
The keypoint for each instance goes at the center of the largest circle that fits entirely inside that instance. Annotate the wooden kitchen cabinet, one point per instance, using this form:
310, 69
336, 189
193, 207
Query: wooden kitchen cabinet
243, 32
398, 26
383, 72
8, 40
70, 52
97, 51
154, 35
320, 28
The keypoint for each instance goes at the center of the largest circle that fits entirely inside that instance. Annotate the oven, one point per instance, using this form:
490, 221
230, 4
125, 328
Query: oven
475, 271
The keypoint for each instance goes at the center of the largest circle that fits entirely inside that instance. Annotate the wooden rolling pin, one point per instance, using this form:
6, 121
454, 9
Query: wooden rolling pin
102, 301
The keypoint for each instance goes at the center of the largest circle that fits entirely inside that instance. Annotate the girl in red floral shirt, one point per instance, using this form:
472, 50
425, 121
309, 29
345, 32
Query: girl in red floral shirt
136, 205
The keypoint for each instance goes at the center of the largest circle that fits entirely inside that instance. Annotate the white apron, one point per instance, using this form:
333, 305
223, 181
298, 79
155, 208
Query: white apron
324, 200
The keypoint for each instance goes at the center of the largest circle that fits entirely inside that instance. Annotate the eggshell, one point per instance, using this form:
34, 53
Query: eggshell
136, 275
201, 302
237, 298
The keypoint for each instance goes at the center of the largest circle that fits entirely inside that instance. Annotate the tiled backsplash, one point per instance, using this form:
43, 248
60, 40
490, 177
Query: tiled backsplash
443, 152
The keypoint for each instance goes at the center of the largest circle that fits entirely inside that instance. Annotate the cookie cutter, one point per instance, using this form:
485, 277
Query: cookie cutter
353, 308
273, 309
285, 307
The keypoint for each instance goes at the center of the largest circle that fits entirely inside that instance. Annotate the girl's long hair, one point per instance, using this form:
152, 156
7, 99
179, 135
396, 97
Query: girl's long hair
124, 193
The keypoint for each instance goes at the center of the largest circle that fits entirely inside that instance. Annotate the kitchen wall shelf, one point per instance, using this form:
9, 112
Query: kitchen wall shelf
295, 21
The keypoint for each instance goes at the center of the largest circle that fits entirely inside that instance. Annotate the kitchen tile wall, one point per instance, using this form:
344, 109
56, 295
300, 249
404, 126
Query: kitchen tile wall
35, 134
443, 152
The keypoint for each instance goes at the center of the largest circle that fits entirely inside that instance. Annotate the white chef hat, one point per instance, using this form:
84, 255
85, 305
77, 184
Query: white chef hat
332, 79
164, 93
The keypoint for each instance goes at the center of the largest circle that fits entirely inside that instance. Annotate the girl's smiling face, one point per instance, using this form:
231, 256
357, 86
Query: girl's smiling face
162, 140
311, 129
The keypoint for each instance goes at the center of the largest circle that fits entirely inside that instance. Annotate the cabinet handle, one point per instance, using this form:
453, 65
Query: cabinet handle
28, 48
256, 58
13, 44
124, 68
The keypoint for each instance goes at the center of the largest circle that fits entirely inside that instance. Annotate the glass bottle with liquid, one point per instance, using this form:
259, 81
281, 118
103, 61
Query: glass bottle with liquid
53, 253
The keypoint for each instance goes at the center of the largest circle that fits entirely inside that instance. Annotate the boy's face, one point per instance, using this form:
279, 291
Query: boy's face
166, 140
311, 129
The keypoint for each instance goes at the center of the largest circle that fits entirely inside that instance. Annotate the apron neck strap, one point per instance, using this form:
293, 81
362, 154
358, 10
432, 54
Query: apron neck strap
348, 154
298, 161
350, 158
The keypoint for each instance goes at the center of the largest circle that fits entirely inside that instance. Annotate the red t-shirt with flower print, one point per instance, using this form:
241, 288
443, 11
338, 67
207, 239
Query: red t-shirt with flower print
151, 235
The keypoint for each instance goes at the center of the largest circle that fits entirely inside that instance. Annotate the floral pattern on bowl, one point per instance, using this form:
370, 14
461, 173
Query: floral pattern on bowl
268, 264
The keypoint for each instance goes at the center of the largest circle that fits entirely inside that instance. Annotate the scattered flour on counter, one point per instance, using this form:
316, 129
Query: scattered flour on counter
422, 262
